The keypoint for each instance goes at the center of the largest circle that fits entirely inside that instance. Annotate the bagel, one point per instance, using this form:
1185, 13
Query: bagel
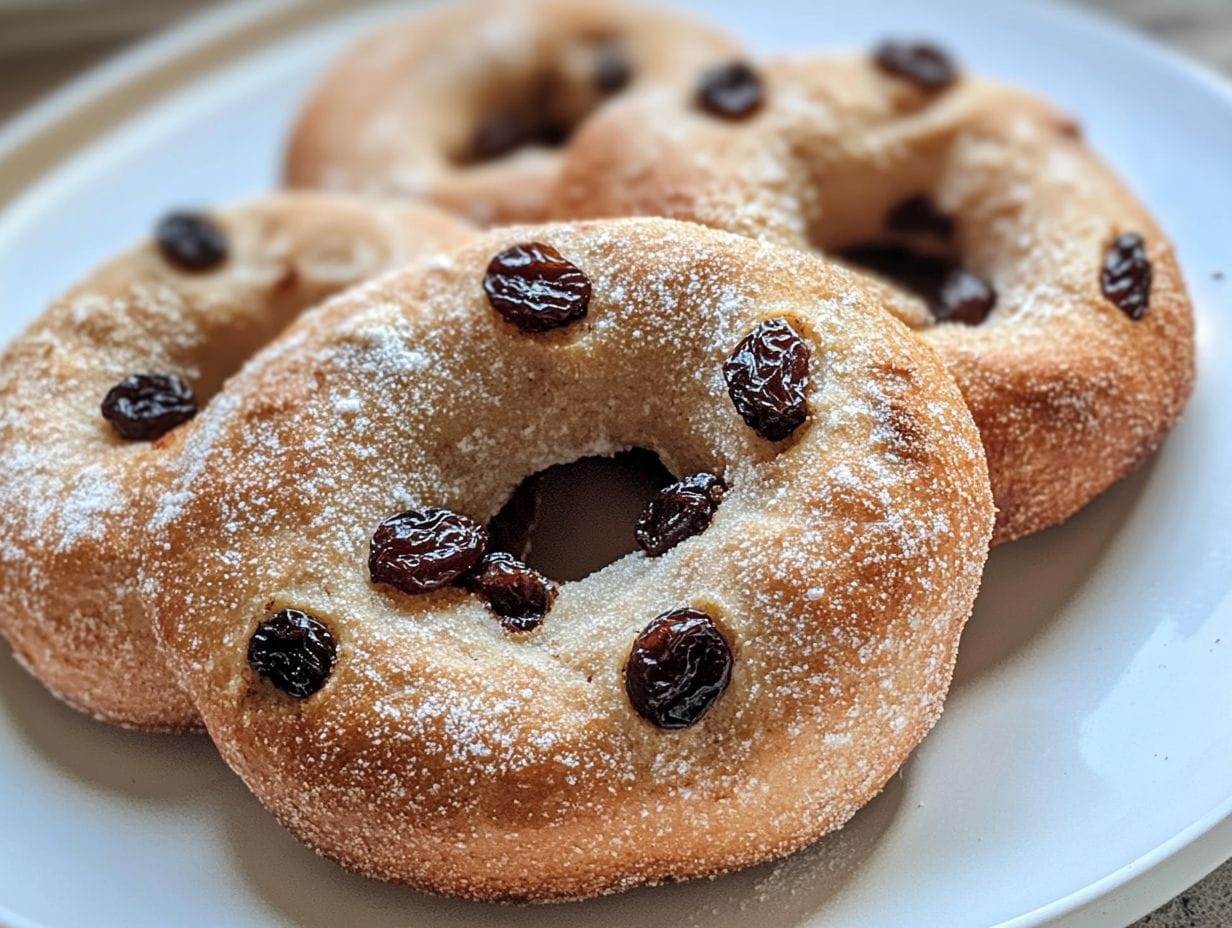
1067, 323
467, 106
427, 710
117, 362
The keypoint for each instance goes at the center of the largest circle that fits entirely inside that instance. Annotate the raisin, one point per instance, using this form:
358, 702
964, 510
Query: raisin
918, 214
679, 511
551, 133
496, 137
143, 407
519, 594
613, 71
191, 241
293, 651
1126, 276
730, 91
425, 549
535, 288
678, 668
926, 66
964, 297
767, 376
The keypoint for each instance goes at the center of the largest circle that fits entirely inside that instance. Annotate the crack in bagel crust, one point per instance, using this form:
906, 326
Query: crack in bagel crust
445, 752
78, 490
1081, 355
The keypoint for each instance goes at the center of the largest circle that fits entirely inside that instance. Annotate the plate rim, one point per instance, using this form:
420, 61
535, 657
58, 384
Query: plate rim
40, 137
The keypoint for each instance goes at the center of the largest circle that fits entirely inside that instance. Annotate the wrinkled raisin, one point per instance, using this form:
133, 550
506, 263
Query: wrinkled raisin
191, 241
613, 71
926, 66
535, 288
679, 511
425, 549
519, 594
767, 376
678, 668
1126, 276
965, 297
293, 651
143, 407
730, 91
918, 214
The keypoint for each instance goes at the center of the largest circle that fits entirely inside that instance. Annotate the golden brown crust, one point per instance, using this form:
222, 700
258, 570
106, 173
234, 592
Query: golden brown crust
1070, 393
398, 112
76, 497
446, 754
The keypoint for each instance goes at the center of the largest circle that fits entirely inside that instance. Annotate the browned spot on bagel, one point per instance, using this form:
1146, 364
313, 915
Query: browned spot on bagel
905, 435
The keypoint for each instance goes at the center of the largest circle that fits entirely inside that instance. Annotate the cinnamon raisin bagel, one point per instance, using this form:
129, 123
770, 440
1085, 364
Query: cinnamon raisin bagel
468, 105
1056, 299
90, 391
425, 709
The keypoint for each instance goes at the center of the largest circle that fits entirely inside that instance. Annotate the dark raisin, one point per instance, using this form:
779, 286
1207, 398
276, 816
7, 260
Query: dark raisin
425, 549
767, 376
926, 66
551, 133
679, 667
294, 652
730, 91
918, 214
964, 297
519, 594
191, 241
679, 511
613, 71
496, 137
1126, 276
143, 407
535, 288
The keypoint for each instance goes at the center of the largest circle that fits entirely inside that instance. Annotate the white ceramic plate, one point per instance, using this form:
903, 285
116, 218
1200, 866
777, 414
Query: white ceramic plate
1083, 771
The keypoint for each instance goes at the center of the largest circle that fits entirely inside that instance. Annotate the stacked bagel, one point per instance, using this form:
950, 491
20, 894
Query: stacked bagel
872, 313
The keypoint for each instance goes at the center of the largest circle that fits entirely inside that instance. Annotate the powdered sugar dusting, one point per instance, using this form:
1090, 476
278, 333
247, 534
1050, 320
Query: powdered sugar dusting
455, 752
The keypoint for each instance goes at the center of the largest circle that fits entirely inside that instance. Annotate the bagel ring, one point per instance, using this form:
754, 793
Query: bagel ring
1069, 328
346, 640
467, 106
150, 336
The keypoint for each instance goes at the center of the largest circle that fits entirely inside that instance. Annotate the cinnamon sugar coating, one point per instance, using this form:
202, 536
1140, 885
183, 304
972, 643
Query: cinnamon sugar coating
466, 106
1069, 391
77, 498
444, 752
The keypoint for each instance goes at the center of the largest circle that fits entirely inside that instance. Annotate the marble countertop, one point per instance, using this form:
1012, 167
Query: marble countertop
45, 42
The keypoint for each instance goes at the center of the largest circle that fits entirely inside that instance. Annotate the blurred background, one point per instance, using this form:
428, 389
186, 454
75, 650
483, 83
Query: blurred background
44, 43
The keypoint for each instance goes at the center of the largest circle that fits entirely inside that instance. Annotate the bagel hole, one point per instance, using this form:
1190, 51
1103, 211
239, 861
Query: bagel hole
543, 109
915, 271
950, 290
571, 520
917, 252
